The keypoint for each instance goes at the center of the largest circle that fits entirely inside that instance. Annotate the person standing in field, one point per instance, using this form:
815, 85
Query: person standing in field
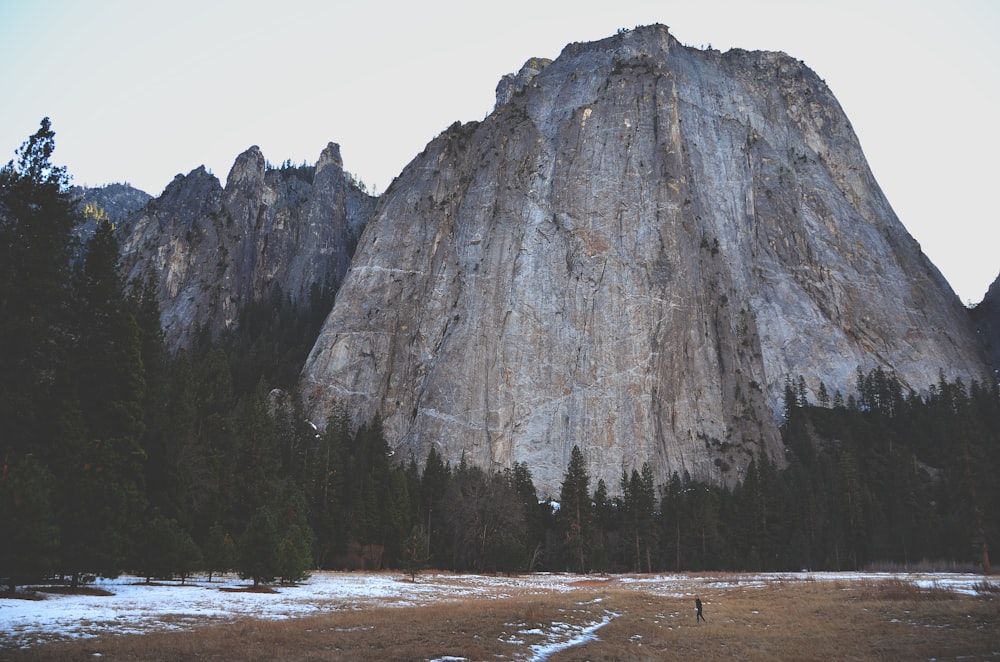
700, 616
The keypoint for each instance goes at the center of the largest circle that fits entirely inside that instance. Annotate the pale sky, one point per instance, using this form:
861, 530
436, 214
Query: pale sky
142, 91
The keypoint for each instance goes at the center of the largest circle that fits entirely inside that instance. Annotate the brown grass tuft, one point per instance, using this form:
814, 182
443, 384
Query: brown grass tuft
69, 590
987, 588
900, 590
532, 614
21, 595
593, 581
247, 589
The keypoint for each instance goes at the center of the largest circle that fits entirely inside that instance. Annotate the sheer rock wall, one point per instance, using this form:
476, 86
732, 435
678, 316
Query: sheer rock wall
632, 254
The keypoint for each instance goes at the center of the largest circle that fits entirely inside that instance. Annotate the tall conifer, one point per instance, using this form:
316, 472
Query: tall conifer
37, 218
102, 491
575, 512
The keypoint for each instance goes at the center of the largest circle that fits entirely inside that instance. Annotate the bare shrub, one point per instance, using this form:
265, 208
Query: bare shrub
924, 566
902, 590
531, 614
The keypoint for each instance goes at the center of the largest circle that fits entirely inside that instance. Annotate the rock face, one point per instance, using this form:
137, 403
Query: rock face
632, 254
987, 316
215, 249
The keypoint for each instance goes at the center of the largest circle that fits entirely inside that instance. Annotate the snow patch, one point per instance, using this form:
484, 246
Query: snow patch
564, 635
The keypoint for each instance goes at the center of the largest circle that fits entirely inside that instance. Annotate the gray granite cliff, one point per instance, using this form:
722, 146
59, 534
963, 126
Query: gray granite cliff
631, 254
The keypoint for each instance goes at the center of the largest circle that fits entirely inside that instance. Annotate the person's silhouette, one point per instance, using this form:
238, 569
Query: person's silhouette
697, 605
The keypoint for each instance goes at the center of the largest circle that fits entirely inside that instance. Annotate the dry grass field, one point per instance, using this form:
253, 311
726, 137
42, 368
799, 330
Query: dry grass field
614, 618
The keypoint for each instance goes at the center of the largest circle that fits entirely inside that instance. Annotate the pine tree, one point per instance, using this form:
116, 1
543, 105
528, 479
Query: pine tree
397, 518
433, 487
574, 516
756, 509
502, 516
259, 549
672, 509
535, 513
640, 512
461, 517
606, 521
415, 556
853, 524
189, 469
326, 488
295, 541
37, 217
30, 536
379, 502
164, 486
255, 464
210, 455
39, 413
218, 551
101, 488
166, 550
112, 373
823, 396
706, 544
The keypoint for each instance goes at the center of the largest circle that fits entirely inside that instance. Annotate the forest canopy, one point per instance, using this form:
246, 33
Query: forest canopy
119, 456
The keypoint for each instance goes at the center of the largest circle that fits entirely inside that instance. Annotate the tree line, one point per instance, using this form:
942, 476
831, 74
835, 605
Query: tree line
121, 456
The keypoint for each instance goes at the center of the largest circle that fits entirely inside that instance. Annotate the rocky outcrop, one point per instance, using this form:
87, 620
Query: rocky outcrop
118, 201
514, 84
214, 249
632, 254
114, 202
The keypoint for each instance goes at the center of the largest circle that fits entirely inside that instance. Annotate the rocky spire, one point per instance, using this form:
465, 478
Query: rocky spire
215, 250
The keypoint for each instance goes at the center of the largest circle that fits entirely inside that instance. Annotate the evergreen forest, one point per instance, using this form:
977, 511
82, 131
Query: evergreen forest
119, 456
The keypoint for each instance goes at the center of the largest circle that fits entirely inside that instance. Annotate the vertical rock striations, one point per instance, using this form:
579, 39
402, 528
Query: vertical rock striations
632, 253
214, 249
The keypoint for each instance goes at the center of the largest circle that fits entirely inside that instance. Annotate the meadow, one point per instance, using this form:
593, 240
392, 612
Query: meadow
384, 616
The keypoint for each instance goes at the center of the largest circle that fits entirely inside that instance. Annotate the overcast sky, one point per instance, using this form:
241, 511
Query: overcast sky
142, 91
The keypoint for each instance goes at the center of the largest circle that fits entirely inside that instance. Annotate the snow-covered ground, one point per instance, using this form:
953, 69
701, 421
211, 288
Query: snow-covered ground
136, 607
